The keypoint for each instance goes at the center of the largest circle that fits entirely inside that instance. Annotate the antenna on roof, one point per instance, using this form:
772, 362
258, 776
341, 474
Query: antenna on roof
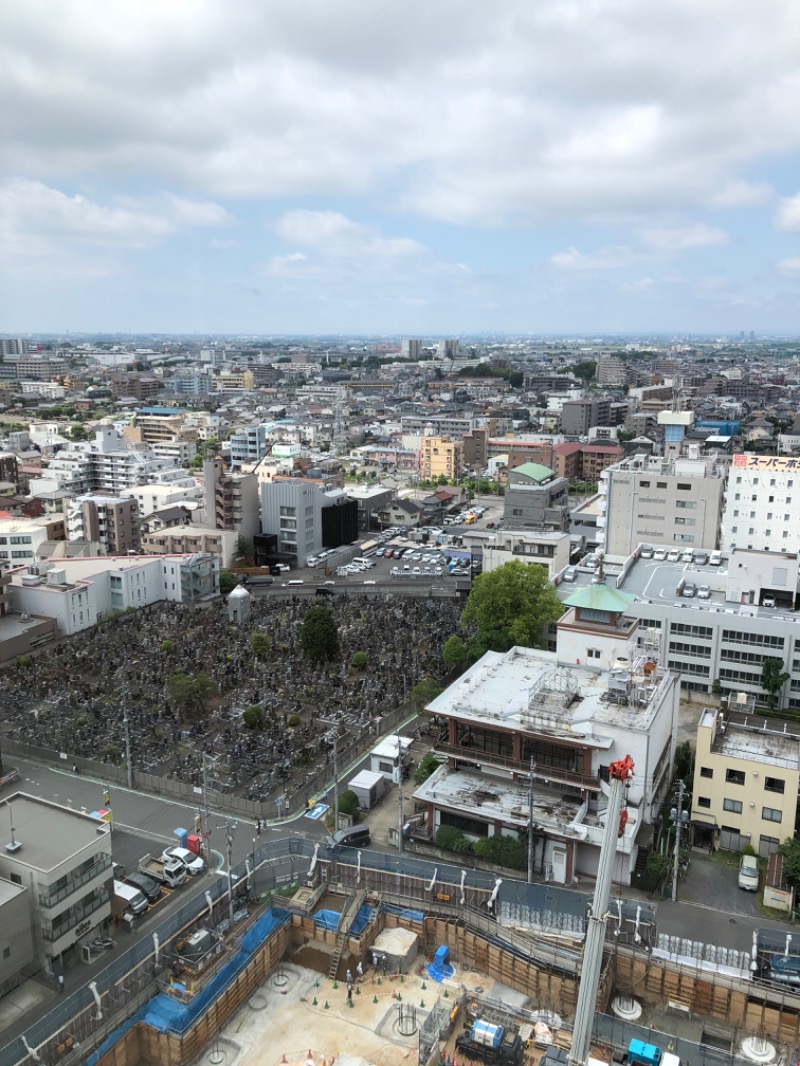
15, 844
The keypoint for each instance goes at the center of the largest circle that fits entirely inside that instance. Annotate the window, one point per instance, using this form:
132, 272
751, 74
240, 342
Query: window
661, 484
386, 767
734, 777
684, 488
703, 801
706, 771
771, 814
774, 784
734, 806
644, 484
592, 653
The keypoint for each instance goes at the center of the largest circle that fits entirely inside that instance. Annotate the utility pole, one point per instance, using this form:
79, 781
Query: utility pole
229, 831
530, 822
126, 727
206, 826
399, 794
677, 817
335, 784
619, 774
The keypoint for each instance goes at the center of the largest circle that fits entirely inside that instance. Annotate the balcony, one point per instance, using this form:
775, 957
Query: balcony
75, 916
74, 883
553, 774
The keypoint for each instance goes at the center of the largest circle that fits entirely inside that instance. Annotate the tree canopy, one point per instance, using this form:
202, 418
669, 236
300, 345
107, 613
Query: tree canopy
773, 678
318, 635
512, 605
191, 694
227, 582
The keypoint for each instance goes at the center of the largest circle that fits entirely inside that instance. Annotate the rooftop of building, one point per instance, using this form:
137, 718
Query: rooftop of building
656, 582
528, 690
754, 737
534, 471
48, 833
9, 891
84, 569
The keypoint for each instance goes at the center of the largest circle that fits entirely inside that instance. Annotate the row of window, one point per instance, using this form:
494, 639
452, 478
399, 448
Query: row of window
772, 482
689, 649
740, 675
16, 540
730, 656
768, 814
733, 636
737, 777
687, 630
689, 668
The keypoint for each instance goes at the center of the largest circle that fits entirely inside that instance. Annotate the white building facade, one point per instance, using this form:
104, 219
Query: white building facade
762, 506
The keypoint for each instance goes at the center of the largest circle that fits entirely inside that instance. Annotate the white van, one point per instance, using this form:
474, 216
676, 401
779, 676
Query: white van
135, 901
715, 559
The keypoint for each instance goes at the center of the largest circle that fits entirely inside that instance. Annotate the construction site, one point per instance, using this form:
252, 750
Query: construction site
357, 957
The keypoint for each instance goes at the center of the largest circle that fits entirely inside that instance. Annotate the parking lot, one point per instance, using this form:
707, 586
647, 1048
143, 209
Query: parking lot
431, 556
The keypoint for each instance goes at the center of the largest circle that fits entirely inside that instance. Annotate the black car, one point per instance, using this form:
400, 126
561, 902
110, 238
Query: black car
324, 592
148, 886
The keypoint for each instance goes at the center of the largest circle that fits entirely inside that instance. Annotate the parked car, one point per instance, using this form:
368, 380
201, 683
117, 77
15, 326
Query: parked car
673, 556
646, 552
660, 554
193, 863
146, 885
748, 873
701, 558
689, 589
704, 592
716, 559
570, 573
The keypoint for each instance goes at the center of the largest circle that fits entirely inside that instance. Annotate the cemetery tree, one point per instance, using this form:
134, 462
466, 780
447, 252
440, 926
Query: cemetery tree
227, 582
425, 692
513, 605
455, 651
259, 643
348, 804
318, 635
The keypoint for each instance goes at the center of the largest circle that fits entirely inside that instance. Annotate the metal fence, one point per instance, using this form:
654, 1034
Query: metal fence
130, 979
182, 792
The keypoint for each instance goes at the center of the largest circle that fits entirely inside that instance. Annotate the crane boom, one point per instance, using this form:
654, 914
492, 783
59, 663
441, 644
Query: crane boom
620, 774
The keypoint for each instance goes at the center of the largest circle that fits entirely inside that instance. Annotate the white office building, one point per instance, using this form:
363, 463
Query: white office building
762, 506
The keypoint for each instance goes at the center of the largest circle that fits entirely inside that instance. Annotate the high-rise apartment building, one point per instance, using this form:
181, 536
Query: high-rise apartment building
440, 457
231, 500
110, 520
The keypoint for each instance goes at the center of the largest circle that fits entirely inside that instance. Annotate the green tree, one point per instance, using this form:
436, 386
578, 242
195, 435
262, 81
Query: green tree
790, 849
455, 651
427, 764
349, 805
166, 646
684, 762
245, 551
259, 643
773, 678
424, 693
191, 694
658, 866
450, 839
227, 582
253, 717
502, 851
319, 638
585, 369
79, 433
359, 660
512, 605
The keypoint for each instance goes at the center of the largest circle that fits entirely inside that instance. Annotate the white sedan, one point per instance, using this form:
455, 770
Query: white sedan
193, 863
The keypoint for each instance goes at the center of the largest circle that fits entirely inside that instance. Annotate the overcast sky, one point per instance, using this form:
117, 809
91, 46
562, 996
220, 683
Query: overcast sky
277, 166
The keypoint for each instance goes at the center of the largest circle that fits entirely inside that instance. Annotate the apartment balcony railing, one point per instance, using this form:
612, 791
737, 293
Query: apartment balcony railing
555, 774
75, 916
50, 899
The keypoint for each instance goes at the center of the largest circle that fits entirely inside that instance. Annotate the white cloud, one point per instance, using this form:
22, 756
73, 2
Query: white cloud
683, 238
789, 266
787, 216
487, 114
334, 234
611, 258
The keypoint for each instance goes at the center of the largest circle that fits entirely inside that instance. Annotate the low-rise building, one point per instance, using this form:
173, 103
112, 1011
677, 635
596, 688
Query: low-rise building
746, 781
440, 457
63, 859
536, 499
110, 520
526, 711
541, 547
16, 934
189, 538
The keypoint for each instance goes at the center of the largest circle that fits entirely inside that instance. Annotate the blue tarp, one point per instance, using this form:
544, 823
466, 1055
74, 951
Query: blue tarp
328, 919
362, 919
164, 1013
440, 973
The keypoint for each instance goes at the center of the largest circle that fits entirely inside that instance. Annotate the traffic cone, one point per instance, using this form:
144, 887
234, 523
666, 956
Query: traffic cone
314, 1002
399, 998
446, 994
374, 999
358, 991
422, 1004
335, 984
326, 1005
424, 986
284, 1057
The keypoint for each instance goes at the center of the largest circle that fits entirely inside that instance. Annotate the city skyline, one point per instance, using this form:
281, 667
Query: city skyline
612, 169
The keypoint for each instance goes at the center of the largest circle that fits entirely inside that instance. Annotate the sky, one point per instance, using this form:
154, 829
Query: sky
342, 166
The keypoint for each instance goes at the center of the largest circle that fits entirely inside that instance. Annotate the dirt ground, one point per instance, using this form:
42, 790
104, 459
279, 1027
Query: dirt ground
298, 1017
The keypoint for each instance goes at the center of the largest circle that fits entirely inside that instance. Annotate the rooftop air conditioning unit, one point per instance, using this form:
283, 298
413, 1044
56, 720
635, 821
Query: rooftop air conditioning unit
56, 577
